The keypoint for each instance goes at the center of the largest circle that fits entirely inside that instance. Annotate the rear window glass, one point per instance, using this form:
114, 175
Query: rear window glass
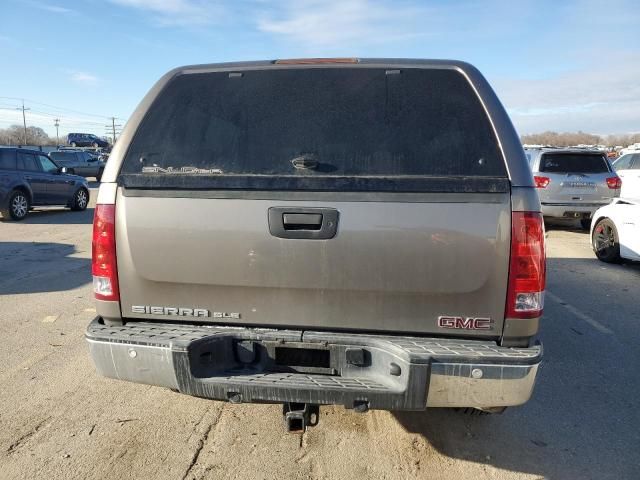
7, 159
573, 163
327, 122
623, 162
27, 161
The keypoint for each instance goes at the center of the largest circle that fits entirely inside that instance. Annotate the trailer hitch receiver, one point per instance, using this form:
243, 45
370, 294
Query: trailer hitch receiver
299, 416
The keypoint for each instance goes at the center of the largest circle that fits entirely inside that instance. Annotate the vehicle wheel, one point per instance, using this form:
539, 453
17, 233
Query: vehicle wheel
74, 144
99, 176
80, 200
95, 145
585, 223
605, 241
18, 206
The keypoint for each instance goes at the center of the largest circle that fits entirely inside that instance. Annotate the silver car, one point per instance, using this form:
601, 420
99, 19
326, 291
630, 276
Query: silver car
573, 183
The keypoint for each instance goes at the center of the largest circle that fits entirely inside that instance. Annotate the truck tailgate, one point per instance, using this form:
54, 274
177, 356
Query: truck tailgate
395, 264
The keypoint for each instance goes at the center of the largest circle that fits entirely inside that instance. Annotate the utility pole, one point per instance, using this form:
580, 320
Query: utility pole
113, 129
24, 121
57, 124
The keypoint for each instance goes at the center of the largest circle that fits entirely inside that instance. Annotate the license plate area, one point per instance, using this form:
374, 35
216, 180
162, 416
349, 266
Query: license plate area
224, 355
302, 357
299, 358
580, 185
294, 357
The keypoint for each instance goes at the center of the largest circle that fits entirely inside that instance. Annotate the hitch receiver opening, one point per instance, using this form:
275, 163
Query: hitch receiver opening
299, 416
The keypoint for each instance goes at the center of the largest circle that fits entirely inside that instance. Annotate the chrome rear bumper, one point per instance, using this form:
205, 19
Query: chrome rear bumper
267, 365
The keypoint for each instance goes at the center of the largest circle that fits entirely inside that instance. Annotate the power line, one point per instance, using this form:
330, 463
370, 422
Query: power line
42, 118
35, 120
62, 108
44, 113
40, 112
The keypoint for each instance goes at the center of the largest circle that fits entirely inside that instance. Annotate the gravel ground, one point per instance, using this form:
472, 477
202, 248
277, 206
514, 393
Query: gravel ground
59, 420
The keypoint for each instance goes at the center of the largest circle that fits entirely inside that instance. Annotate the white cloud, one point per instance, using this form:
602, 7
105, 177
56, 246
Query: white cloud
51, 7
177, 12
56, 9
389, 25
341, 23
83, 78
602, 98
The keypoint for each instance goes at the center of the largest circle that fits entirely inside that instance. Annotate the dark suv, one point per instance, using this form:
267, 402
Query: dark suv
86, 140
29, 178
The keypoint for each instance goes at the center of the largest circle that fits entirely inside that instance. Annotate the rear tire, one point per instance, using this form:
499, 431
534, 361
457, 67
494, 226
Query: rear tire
99, 176
74, 144
585, 223
476, 412
605, 243
95, 145
17, 207
80, 200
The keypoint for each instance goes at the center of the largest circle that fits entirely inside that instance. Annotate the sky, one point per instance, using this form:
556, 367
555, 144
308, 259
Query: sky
556, 65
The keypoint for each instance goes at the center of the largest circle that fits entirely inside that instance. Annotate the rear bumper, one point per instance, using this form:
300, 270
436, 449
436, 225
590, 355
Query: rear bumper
570, 210
256, 365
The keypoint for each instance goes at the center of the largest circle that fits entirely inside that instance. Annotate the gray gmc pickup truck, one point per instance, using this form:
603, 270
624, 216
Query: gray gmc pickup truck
359, 232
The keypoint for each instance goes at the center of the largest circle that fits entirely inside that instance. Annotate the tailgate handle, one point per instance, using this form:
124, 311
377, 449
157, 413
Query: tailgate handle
303, 222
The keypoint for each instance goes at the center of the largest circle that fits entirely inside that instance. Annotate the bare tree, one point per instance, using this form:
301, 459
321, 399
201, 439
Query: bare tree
622, 140
566, 139
14, 135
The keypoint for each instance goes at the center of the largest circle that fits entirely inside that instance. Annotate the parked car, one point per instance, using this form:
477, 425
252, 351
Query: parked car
573, 183
86, 140
628, 169
634, 148
615, 231
29, 178
356, 232
80, 163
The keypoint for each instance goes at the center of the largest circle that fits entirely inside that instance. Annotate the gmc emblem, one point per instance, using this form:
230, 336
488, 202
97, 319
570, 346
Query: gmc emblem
465, 323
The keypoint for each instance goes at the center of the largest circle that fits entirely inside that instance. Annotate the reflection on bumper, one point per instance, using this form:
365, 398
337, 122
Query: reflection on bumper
400, 373
455, 385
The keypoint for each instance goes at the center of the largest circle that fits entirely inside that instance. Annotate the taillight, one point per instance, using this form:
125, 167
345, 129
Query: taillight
541, 182
527, 267
614, 183
103, 254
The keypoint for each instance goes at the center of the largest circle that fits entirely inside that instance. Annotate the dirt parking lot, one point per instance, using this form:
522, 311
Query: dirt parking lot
59, 420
